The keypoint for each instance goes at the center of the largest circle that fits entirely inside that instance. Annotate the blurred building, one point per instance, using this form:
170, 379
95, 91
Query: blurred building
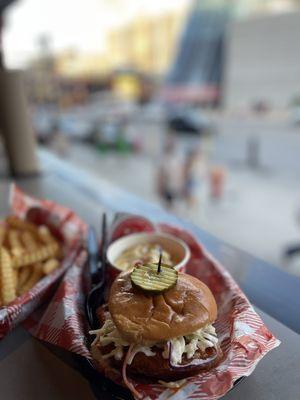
195, 76
71, 64
263, 61
184, 47
261, 7
147, 43
41, 83
136, 51
65, 78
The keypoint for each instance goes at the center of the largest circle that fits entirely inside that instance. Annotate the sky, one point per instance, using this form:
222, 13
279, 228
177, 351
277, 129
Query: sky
71, 24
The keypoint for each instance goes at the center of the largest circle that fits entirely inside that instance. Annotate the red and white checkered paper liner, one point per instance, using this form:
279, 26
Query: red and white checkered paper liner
71, 227
243, 336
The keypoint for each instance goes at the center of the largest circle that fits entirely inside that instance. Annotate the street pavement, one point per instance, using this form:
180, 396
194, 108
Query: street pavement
258, 210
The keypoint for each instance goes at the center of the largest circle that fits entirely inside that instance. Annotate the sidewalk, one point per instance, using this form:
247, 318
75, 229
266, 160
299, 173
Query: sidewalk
256, 214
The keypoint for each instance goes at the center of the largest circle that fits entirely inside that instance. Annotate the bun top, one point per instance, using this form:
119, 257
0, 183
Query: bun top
144, 318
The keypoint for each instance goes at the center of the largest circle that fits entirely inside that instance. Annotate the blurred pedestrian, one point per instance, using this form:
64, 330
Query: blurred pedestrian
217, 182
59, 141
170, 174
194, 173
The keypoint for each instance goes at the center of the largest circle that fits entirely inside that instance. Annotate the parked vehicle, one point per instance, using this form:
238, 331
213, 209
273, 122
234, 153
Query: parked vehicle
187, 120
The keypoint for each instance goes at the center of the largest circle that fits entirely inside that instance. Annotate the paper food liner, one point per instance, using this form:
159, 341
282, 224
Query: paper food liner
71, 227
242, 334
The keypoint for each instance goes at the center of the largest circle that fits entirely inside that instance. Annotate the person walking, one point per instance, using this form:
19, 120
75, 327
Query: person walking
194, 171
170, 174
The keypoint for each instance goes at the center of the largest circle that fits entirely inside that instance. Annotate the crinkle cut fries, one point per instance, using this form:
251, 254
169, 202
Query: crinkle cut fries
27, 253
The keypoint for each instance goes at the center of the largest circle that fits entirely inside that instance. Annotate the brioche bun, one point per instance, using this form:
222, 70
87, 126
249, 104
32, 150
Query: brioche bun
143, 318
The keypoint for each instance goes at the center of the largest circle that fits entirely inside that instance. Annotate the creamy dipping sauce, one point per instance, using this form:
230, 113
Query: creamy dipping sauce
145, 252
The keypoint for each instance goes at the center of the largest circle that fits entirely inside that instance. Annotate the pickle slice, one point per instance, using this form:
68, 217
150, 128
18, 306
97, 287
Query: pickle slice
147, 277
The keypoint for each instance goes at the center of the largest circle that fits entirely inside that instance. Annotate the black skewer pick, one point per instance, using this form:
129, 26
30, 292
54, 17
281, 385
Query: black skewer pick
159, 261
